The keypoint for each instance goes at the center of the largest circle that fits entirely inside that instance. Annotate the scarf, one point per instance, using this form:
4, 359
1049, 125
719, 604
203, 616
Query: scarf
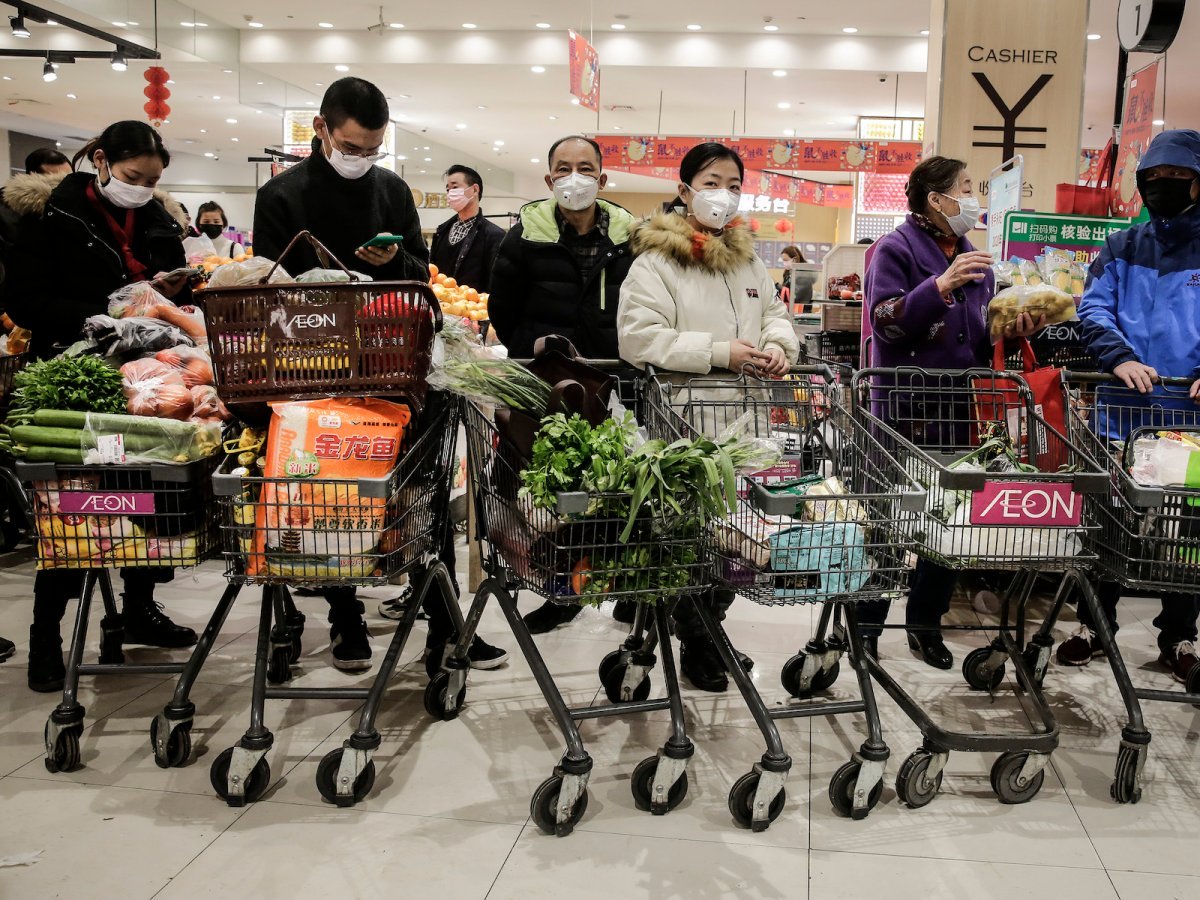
123, 234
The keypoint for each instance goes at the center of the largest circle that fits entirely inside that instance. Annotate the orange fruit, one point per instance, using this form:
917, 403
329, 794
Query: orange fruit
450, 283
433, 271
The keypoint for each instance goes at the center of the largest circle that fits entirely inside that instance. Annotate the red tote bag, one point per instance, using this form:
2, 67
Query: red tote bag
999, 401
1089, 199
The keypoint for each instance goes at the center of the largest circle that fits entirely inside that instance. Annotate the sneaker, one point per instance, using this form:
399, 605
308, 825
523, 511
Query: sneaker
1080, 648
701, 664
1181, 660
349, 641
484, 656
46, 669
147, 624
549, 616
394, 608
7, 648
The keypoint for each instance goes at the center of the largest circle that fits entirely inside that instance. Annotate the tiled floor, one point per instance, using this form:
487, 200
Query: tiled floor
449, 815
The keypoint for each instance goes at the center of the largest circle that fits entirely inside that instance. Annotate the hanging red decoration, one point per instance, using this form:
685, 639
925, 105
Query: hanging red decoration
157, 92
755, 225
783, 226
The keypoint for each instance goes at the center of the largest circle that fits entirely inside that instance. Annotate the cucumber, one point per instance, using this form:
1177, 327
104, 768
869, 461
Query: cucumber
63, 455
60, 418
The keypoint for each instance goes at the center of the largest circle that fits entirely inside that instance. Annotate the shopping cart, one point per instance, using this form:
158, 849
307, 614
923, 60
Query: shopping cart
986, 516
839, 350
572, 555
13, 502
92, 518
832, 542
1148, 540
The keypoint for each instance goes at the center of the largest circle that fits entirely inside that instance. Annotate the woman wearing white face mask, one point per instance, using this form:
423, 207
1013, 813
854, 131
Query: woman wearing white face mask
698, 300
96, 233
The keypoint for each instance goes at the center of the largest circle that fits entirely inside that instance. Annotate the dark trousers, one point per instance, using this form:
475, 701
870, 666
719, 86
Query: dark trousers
928, 600
52, 588
688, 626
1176, 622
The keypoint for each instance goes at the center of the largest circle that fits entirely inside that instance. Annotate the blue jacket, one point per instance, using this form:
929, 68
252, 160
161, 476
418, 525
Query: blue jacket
1142, 299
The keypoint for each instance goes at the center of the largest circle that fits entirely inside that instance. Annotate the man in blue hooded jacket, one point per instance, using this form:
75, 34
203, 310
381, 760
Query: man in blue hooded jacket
1140, 316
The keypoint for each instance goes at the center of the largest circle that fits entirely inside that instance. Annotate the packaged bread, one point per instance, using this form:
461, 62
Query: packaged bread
1054, 306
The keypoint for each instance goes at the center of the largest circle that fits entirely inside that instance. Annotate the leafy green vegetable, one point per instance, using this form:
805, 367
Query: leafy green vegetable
569, 455
497, 381
82, 383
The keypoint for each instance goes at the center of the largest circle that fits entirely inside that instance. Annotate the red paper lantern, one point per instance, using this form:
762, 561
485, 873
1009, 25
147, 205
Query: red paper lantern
157, 75
157, 91
783, 226
755, 225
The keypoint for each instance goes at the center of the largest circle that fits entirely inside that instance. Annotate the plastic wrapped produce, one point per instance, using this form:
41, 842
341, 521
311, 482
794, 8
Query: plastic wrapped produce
120, 340
193, 365
1053, 305
247, 272
207, 405
327, 276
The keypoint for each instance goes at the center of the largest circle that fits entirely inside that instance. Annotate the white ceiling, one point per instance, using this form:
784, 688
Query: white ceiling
715, 81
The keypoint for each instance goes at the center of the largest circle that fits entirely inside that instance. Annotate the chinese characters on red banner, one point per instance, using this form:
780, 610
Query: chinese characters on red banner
1137, 126
888, 157
585, 71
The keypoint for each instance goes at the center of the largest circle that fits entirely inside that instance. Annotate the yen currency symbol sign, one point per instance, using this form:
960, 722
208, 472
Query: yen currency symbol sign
1009, 130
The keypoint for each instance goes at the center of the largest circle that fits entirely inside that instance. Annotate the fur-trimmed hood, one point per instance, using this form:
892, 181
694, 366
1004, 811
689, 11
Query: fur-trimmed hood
29, 194
670, 234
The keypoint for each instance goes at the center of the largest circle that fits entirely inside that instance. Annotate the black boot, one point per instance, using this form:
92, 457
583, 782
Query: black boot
7, 648
349, 639
146, 623
624, 611
46, 670
931, 648
549, 616
701, 663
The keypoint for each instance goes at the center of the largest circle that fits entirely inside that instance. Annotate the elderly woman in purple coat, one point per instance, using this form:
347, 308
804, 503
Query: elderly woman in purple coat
927, 292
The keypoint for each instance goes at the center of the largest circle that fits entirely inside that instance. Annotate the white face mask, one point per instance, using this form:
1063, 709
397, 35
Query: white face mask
120, 194
351, 167
457, 199
576, 191
967, 216
714, 208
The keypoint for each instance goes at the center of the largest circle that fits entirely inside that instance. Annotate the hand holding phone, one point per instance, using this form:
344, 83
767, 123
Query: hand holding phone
381, 249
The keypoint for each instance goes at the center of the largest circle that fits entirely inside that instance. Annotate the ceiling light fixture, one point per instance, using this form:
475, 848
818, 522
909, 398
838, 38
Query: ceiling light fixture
341, 68
48, 73
461, 125
481, 107
254, 24
533, 159
554, 118
131, 23
235, 140
428, 159
1159, 122
72, 97
204, 131
17, 23
789, 132
783, 104
216, 96
1094, 37
201, 24
324, 24
574, 101
120, 25
849, 29
695, 27
469, 25
537, 70
231, 121
498, 143
119, 63
780, 73
924, 32
770, 27
617, 26
227, 71
188, 24
542, 25
209, 155
396, 25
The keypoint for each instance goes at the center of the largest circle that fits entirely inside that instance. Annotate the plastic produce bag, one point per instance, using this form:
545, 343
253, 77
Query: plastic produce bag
326, 276
154, 388
1041, 300
207, 405
137, 299
1168, 460
120, 340
247, 272
193, 364
114, 440
198, 249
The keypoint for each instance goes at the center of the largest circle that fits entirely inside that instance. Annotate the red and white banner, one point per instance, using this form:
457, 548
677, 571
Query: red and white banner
1137, 127
585, 71
763, 186
889, 157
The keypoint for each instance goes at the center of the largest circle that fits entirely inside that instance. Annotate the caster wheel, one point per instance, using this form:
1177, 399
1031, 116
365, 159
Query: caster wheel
256, 784
741, 801
1124, 788
841, 790
327, 775
279, 669
1005, 772
913, 785
612, 686
642, 785
436, 695
972, 669
610, 661
1192, 685
179, 745
66, 751
296, 647
1031, 654
544, 808
790, 677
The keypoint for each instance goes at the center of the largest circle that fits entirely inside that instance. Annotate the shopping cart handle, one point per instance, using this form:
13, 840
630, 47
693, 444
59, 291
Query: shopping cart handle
572, 503
1092, 482
1144, 497
1109, 378
914, 500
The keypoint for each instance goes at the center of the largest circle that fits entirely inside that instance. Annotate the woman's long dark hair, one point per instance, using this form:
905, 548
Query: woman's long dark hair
124, 140
704, 155
209, 206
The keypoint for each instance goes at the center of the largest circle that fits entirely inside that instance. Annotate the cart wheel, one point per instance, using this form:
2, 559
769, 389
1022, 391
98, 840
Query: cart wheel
279, 669
841, 790
179, 745
296, 647
741, 801
642, 785
606, 665
1192, 685
1031, 654
913, 785
612, 686
1005, 772
972, 669
1124, 788
66, 751
256, 784
436, 695
790, 677
544, 808
327, 775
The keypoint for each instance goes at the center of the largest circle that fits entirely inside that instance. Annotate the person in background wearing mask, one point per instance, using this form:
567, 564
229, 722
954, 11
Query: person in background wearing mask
794, 291
698, 299
559, 271
927, 291
1138, 318
189, 230
92, 235
465, 245
212, 222
344, 199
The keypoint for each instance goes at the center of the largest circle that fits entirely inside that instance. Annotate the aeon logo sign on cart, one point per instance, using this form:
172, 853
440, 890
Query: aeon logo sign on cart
1026, 503
107, 503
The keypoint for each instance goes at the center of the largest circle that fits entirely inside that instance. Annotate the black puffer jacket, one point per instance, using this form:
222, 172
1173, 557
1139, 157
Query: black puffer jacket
538, 288
67, 264
470, 261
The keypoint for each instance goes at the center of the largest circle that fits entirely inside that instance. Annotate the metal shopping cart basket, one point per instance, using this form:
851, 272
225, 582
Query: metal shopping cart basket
985, 512
819, 527
1149, 536
574, 554
13, 502
88, 519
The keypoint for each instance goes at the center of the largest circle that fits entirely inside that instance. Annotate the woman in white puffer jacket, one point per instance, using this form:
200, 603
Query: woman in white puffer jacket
698, 299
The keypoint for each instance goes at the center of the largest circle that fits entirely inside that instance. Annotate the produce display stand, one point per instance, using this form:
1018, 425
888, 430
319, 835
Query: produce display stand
1148, 539
558, 554
90, 518
1003, 519
835, 549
